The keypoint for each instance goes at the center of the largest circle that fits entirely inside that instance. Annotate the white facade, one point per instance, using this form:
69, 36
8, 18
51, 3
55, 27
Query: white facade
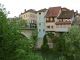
29, 17
41, 23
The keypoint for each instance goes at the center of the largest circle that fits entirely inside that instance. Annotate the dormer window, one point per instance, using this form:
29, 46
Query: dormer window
50, 12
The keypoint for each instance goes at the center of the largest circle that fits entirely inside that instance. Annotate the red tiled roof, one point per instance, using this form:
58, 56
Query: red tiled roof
68, 22
53, 11
42, 10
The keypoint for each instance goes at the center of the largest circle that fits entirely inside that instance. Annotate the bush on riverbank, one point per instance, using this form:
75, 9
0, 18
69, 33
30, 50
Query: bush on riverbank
61, 58
45, 45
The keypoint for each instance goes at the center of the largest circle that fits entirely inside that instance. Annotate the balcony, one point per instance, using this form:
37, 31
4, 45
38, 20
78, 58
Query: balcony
33, 25
29, 27
61, 30
50, 21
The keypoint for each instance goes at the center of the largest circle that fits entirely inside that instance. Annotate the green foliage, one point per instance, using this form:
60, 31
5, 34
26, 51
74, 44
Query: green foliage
60, 44
52, 37
13, 46
33, 56
45, 45
61, 58
72, 42
34, 38
56, 41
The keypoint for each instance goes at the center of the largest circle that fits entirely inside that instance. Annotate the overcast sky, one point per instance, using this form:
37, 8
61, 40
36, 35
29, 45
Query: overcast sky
17, 6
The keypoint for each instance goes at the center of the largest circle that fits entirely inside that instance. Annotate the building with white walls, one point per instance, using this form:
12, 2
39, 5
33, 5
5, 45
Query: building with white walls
41, 22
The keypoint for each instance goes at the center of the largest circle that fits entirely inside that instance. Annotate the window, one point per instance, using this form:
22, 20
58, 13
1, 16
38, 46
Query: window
66, 26
39, 30
43, 30
60, 26
47, 19
39, 13
56, 26
51, 26
48, 26
24, 16
39, 24
51, 19
33, 21
63, 26
50, 12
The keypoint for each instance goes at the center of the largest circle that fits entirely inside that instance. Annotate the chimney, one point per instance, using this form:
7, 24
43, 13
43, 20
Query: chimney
24, 10
72, 10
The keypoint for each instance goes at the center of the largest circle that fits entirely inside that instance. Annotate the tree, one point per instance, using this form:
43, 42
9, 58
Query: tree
12, 44
61, 58
34, 38
45, 45
72, 42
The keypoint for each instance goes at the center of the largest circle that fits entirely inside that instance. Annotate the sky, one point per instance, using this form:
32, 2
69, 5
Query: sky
17, 6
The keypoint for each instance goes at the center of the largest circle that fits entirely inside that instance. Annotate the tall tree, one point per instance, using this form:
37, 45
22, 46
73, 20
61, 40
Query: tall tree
13, 46
72, 42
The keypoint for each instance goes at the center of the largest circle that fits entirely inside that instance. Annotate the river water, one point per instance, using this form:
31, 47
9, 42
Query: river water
47, 55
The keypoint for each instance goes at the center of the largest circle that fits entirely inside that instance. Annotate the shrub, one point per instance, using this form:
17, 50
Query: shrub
45, 45
61, 58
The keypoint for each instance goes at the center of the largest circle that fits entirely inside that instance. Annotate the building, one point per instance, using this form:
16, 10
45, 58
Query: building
64, 21
51, 18
65, 9
30, 16
77, 19
41, 22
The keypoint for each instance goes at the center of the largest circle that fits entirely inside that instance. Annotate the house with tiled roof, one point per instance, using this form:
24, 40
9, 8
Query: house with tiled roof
51, 18
65, 9
30, 16
77, 19
41, 22
64, 21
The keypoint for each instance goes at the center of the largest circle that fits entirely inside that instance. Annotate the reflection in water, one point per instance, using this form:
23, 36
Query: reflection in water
47, 55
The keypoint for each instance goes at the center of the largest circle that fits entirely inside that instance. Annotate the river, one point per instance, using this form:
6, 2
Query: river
47, 55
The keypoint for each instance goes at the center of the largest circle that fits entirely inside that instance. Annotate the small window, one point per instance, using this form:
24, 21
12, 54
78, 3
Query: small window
48, 26
43, 30
51, 26
39, 13
39, 30
60, 26
63, 26
47, 19
51, 19
39, 24
50, 12
24, 16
